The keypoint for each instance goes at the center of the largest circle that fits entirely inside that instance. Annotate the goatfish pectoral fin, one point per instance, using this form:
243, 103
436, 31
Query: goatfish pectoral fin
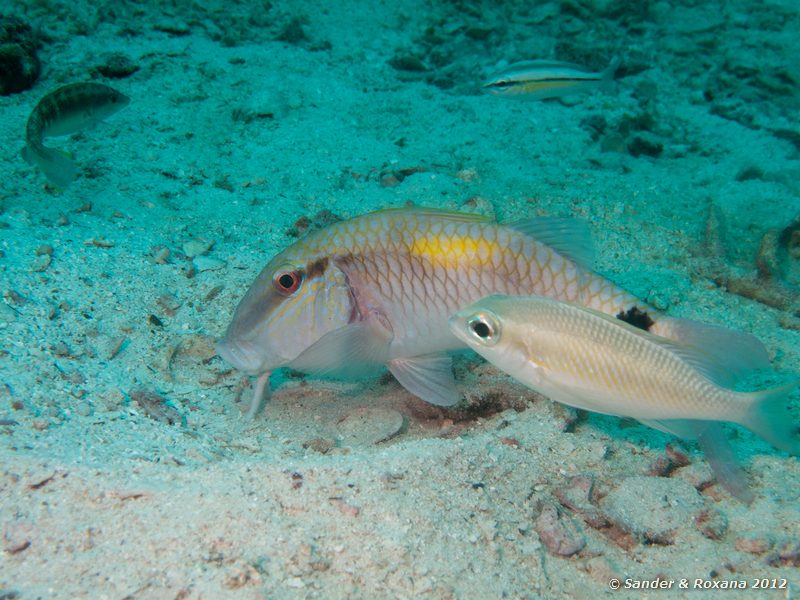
427, 377
710, 436
352, 351
56, 165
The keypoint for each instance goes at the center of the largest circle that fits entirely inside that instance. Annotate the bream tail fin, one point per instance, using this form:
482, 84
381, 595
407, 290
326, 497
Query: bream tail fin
770, 418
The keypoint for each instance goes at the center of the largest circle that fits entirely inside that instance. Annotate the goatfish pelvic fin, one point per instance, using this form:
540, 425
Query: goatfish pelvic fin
428, 377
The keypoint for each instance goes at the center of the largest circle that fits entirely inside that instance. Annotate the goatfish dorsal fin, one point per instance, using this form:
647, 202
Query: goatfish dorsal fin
426, 211
567, 236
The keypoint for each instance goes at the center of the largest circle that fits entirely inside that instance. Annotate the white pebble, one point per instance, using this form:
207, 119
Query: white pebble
196, 247
208, 263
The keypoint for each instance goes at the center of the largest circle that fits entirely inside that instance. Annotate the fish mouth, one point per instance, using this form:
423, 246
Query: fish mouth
242, 356
458, 325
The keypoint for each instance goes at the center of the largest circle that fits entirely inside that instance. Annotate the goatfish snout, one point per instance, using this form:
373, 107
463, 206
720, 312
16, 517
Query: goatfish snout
293, 315
241, 355
66, 110
593, 361
540, 79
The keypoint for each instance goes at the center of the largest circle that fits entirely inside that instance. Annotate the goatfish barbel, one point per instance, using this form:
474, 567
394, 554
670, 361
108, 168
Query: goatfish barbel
589, 360
66, 110
540, 79
379, 289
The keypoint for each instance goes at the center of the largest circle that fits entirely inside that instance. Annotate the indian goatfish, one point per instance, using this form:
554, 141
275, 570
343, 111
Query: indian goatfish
379, 289
68, 109
540, 79
589, 360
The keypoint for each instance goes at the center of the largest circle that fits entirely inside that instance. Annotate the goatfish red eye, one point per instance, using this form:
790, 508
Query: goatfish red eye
287, 282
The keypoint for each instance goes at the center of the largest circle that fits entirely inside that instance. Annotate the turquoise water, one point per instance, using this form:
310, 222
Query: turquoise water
128, 468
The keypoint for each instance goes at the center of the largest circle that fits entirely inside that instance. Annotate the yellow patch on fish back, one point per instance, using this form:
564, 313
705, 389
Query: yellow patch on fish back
445, 250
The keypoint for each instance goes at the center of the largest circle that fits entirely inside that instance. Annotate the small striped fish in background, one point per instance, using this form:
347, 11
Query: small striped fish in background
540, 79
68, 109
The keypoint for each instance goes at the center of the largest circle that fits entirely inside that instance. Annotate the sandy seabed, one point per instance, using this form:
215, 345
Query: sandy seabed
127, 468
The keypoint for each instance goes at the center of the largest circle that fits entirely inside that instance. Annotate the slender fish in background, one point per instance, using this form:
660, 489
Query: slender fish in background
540, 79
590, 360
378, 290
66, 110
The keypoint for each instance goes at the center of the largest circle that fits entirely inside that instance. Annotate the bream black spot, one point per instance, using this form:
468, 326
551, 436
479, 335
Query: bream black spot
637, 318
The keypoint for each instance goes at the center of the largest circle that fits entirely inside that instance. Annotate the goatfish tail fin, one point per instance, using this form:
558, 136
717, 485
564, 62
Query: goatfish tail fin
56, 165
769, 417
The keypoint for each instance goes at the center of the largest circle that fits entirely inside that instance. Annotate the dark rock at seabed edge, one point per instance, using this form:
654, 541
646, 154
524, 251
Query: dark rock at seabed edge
479, 33
749, 173
19, 63
644, 145
117, 65
293, 32
407, 62
595, 125
172, 27
790, 135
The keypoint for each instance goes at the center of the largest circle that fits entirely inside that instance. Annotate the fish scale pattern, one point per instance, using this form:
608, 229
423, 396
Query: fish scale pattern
624, 364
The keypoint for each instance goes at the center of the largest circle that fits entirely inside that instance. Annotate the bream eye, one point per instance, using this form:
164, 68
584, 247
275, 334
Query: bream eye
482, 329
287, 282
